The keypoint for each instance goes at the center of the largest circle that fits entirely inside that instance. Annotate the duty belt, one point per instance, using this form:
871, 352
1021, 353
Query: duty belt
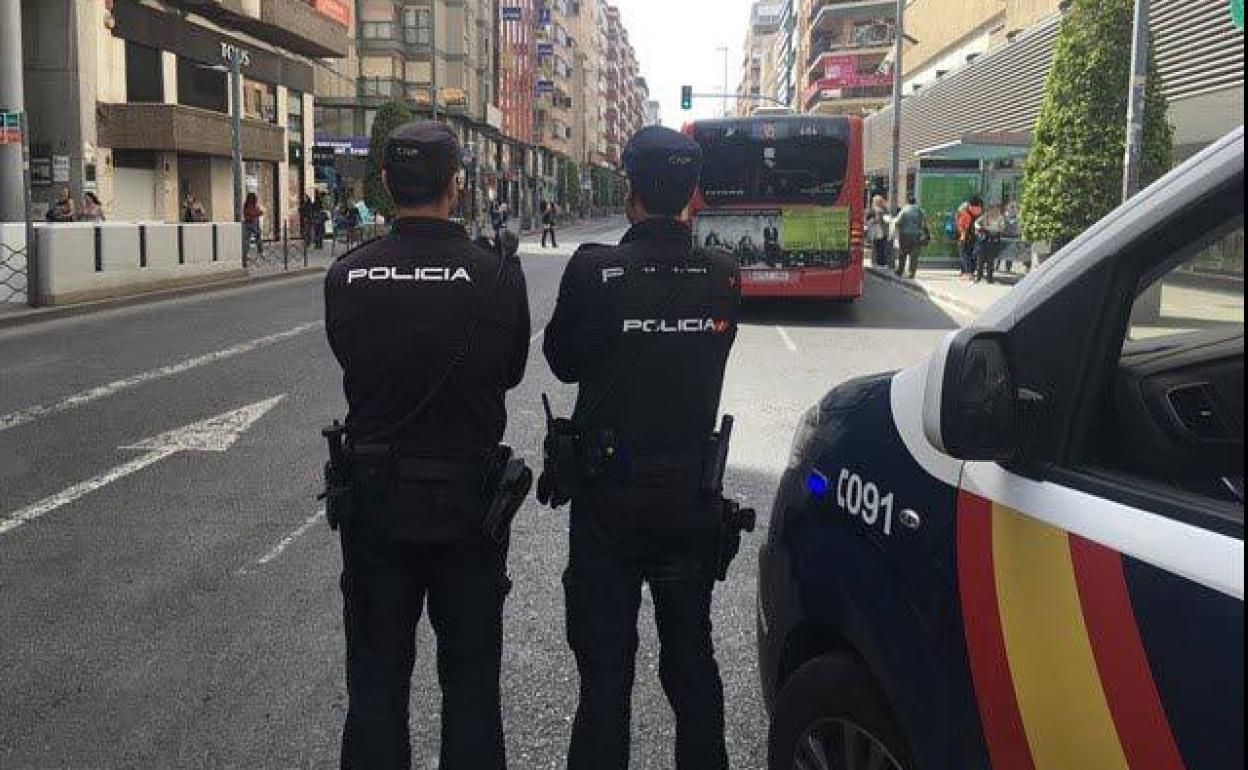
397, 465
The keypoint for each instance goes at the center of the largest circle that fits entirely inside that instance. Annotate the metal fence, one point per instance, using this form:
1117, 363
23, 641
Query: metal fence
13, 274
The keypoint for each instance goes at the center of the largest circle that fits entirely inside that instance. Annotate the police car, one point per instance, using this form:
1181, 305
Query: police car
1028, 552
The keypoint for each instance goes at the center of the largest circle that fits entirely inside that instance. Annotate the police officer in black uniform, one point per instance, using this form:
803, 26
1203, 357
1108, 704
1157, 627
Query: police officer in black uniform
431, 331
645, 328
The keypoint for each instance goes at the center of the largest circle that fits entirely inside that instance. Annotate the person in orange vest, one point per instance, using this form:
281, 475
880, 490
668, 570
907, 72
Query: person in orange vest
968, 214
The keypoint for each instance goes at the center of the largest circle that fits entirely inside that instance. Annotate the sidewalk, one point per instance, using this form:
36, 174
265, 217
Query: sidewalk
946, 286
276, 265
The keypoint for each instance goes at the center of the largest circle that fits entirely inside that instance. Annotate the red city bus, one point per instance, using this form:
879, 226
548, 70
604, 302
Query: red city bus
784, 194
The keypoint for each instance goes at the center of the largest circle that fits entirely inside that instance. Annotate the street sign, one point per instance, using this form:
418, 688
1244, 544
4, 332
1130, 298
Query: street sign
10, 128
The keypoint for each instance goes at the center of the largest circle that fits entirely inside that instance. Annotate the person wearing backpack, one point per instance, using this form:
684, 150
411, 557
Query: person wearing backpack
968, 214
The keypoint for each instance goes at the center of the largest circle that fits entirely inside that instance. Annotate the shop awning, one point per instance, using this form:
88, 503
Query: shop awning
988, 147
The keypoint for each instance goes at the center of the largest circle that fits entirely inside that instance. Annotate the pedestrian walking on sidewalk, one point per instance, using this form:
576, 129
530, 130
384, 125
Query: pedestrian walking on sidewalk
307, 212
549, 212
877, 230
92, 209
252, 212
912, 234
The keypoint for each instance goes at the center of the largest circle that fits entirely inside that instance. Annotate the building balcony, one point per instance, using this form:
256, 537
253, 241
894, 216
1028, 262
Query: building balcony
850, 69
832, 13
315, 28
830, 97
182, 129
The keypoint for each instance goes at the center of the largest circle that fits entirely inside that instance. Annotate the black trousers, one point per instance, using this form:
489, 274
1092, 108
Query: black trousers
986, 253
603, 593
385, 585
549, 230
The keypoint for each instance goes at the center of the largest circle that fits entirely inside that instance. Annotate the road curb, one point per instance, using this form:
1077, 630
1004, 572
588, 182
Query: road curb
918, 289
56, 312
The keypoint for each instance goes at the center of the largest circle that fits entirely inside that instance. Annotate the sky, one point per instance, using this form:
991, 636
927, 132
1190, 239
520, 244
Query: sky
677, 44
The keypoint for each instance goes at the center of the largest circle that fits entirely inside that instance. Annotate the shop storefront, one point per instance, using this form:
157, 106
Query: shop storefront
165, 132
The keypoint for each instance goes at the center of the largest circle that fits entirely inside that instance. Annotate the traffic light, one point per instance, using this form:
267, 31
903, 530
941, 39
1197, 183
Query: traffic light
686, 97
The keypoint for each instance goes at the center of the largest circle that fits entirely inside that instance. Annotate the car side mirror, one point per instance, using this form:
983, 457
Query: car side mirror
973, 409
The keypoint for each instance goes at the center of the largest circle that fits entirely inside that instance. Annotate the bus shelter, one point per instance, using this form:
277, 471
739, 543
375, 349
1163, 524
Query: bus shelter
986, 164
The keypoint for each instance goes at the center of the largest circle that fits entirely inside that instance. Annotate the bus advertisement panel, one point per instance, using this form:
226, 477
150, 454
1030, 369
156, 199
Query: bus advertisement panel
784, 195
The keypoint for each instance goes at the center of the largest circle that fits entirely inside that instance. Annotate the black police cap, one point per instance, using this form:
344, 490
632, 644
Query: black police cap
664, 167
422, 157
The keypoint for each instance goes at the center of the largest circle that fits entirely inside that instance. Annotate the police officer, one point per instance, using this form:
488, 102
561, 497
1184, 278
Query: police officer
645, 328
431, 331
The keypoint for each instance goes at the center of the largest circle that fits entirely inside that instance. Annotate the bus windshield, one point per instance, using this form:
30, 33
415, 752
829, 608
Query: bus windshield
770, 162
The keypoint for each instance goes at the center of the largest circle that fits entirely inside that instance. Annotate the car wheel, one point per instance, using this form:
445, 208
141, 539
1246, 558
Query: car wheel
832, 716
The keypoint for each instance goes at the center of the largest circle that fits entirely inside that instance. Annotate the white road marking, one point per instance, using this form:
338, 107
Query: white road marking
533, 340
65, 497
33, 413
788, 341
216, 434
287, 541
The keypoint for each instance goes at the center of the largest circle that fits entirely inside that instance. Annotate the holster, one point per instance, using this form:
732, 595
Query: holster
508, 481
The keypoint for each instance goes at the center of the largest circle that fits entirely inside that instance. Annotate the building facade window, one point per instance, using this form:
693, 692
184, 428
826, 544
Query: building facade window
144, 74
294, 117
203, 87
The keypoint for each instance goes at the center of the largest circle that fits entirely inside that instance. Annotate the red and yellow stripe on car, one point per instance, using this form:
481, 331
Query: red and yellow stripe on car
1061, 677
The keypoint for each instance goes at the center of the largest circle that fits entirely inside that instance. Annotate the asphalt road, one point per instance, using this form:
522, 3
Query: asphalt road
175, 603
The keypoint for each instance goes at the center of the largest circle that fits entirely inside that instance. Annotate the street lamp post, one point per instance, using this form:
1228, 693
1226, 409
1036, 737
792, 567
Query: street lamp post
1137, 102
724, 50
236, 138
894, 178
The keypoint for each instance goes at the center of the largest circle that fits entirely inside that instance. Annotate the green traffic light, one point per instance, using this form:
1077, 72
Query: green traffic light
686, 97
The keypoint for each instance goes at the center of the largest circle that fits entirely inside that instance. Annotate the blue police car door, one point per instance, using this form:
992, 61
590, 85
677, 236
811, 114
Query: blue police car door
1101, 580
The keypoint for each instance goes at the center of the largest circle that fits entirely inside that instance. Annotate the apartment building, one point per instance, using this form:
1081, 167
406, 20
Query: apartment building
780, 78
439, 57
130, 100
624, 105
843, 55
758, 56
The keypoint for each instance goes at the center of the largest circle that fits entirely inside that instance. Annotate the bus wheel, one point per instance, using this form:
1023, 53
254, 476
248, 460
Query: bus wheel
831, 714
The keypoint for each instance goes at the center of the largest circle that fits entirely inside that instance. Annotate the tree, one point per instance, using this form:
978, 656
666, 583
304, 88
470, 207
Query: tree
569, 185
389, 117
1073, 175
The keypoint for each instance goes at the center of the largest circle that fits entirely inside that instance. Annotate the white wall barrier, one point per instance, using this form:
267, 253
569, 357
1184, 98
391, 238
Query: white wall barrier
85, 261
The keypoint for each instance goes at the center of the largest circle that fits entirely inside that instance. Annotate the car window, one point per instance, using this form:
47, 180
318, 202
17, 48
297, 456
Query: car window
1205, 291
1169, 423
